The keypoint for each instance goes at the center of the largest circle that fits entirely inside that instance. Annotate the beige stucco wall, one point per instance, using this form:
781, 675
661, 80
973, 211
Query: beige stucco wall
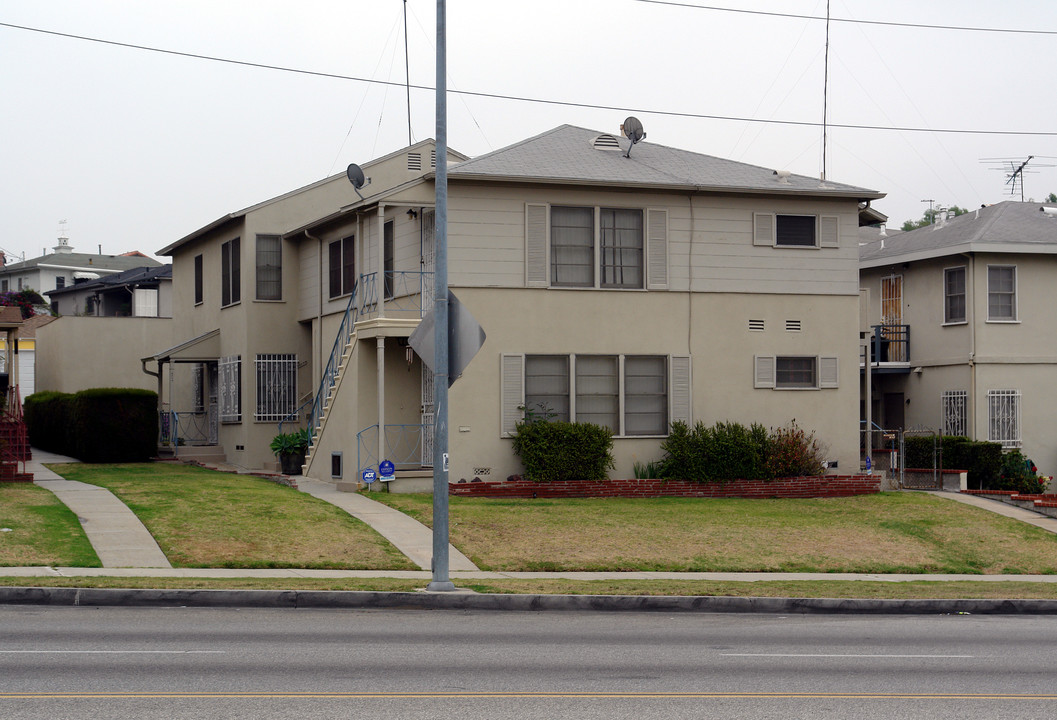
77, 353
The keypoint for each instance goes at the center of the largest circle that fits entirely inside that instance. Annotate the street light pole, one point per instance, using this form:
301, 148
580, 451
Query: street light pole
440, 581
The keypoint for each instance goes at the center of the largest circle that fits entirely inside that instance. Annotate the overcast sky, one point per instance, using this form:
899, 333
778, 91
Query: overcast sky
135, 148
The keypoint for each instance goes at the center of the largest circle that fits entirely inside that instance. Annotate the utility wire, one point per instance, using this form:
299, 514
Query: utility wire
538, 101
962, 28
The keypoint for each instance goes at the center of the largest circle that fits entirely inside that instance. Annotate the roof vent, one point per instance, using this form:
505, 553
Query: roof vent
606, 142
1052, 212
783, 176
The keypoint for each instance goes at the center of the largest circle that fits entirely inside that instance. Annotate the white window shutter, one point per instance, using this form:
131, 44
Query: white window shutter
657, 249
535, 245
829, 231
511, 393
763, 229
763, 371
680, 390
828, 372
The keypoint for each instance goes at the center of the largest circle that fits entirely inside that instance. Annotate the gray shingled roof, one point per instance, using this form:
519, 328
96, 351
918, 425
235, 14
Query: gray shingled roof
140, 276
82, 260
1004, 227
566, 155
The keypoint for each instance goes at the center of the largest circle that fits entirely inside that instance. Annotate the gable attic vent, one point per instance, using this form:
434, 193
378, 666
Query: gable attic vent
414, 161
606, 142
756, 325
433, 159
792, 326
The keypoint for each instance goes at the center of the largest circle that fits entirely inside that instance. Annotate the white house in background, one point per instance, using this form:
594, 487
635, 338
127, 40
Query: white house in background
63, 268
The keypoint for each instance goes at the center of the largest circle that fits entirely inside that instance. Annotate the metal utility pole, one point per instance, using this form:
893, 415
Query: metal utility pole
440, 581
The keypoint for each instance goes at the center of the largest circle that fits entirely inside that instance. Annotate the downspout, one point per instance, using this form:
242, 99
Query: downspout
971, 311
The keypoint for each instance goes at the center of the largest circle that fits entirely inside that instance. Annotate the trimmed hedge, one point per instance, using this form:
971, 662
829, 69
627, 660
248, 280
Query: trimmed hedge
731, 451
96, 425
555, 451
982, 460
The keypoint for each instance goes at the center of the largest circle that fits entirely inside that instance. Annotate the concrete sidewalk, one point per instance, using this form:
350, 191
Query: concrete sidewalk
409, 536
117, 535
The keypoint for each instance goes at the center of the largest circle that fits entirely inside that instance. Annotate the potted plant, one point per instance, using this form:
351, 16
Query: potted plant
290, 448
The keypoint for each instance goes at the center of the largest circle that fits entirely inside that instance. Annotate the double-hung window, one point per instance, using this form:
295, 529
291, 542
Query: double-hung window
632, 395
342, 266
269, 267
572, 247
596, 247
796, 231
276, 387
1002, 293
954, 295
230, 273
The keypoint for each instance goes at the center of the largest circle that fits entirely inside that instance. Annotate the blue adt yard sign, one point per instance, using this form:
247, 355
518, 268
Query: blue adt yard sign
369, 476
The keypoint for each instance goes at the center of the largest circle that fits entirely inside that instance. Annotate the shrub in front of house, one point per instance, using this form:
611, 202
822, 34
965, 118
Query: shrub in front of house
96, 425
983, 460
46, 415
555, 451
731, 451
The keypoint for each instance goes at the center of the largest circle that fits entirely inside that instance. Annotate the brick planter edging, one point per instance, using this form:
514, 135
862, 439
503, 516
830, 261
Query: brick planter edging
821, 486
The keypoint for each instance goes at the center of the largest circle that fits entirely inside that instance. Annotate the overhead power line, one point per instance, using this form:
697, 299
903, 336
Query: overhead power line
849, 20
538, 101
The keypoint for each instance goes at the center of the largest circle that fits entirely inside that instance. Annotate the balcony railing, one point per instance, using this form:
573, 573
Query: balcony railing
404, 293
890, 346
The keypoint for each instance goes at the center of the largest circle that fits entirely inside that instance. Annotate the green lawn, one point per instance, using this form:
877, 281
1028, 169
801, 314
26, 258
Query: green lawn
204, 518
37, 529
885, 533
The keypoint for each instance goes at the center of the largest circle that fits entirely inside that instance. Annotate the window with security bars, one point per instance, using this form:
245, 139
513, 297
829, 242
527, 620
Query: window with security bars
955, 412
1003, 417
269, 267
229, 379
276, 387
198, 395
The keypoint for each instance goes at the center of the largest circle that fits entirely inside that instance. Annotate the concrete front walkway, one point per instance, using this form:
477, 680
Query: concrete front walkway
118, 537
408, 536
998, 507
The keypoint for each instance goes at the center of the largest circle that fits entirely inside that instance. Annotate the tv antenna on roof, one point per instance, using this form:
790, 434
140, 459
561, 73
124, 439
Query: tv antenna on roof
1015, 173
633, 131
355, 175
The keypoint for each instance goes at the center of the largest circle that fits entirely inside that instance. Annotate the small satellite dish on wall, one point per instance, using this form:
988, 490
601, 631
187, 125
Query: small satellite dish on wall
356, 177
633, 131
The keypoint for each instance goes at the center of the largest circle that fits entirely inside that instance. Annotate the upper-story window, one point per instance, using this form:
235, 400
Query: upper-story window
269, 267
342, 258
596, 247
954, 295
230, 273
1002, 293
389, 262
795, 231
198, 279
619, 242
60, 282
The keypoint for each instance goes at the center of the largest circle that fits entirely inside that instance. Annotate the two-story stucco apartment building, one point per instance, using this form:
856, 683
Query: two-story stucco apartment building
965, 336
630, 291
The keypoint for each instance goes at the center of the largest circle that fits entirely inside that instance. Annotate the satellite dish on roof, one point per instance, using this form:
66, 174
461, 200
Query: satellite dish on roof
356, 177
633, 131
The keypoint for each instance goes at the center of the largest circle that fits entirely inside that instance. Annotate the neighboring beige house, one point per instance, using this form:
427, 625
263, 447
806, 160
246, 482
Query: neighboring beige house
964, 327
628, 291
26, 352
249, 317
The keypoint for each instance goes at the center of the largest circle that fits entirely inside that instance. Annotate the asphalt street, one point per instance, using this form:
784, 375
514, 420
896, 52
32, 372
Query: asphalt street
266, 663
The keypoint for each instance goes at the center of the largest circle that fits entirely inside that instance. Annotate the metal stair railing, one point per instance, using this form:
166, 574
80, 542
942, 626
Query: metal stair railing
330, 373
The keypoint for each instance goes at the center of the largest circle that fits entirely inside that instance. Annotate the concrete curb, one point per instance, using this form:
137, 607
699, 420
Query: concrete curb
319, 599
